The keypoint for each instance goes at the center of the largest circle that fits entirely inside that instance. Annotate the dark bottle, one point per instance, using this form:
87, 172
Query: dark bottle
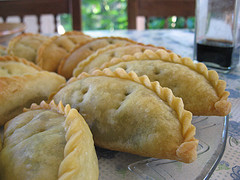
215, 53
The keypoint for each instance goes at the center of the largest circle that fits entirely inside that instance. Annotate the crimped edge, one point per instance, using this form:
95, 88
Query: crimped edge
49, 42
41, 50
15, 40
20, 60
81, 65
64, 60
75, 33
50, 106
73, 125
184, 116
210, 75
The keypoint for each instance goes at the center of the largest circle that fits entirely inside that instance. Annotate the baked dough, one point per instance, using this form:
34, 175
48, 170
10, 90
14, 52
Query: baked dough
82, 51
52, 51
201, 90
23, 83
131, 114
26, 45
104, 55
48, 141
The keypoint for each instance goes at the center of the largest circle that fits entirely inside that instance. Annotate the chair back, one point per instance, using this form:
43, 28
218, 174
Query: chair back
23, 8
158, 8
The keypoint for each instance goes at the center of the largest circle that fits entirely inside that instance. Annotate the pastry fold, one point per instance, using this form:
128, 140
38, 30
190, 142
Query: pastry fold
131, 114
48, 141
23, 83
201, 90
51, 52
82, 51
26, 45
105, 54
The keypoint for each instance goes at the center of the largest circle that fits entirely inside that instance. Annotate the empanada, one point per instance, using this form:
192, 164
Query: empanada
52, 51
201, 90
48, 142
26, 45
104, 55
131, 114
23, 83
82, 51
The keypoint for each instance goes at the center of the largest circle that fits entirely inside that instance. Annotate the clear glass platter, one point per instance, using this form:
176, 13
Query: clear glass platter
211, 131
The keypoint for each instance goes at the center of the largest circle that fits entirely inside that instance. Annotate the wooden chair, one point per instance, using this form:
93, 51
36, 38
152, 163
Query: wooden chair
158, 8
22, 8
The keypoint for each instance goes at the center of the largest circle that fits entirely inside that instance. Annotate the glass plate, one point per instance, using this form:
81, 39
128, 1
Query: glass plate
211, 131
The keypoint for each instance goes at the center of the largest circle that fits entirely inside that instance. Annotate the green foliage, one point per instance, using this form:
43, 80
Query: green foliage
112, 15
171, 22
104, 14
66, 21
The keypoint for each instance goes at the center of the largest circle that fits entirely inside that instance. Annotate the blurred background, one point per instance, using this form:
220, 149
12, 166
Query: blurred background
102, 15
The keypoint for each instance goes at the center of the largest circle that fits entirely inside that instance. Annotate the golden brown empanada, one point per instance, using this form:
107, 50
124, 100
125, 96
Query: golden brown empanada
201, 90
104, 55
82, 51
131, 114
23, 83
52, 51
26, 45
48, 141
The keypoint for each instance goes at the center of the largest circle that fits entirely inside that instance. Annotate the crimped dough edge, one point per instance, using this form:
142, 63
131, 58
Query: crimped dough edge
81, 65
74, 33
20, 60
64, 60
41, 50
46, 44
187, 150
72, 149
223, 107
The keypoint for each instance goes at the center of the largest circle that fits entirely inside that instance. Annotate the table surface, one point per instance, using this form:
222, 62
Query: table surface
181, 42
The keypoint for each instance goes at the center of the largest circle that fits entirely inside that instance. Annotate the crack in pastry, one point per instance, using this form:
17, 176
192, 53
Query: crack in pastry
201, 90
82, 51
48, 141
23, 83
131, 114
52, 51
26, 45
104, 55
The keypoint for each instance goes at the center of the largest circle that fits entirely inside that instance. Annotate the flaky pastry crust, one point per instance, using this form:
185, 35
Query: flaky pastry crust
186, 152
93, 61
22, 83
17, 92
84, 50
79, 156
26, 45
51, 52
77, 132
222, 107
